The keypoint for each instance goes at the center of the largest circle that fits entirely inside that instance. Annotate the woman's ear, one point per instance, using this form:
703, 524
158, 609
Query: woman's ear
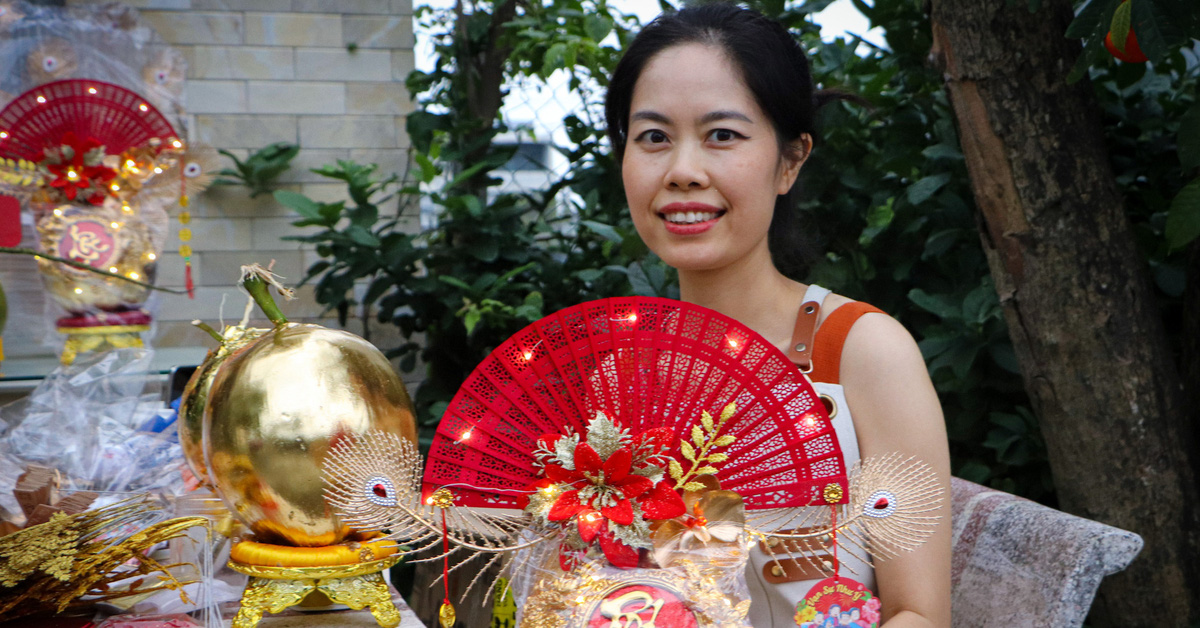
792, 159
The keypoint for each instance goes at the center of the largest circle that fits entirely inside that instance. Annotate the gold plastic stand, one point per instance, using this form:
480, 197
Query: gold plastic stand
273, 589
84, 339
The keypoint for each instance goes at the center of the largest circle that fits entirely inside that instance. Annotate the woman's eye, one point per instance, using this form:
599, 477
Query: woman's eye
652, 136
724, 135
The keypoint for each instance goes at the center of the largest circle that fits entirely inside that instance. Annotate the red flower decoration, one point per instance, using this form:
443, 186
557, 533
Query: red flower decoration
613, 491
74, 175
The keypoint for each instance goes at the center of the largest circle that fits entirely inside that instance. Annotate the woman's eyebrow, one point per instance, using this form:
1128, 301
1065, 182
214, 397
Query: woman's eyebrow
652, 116
714, 116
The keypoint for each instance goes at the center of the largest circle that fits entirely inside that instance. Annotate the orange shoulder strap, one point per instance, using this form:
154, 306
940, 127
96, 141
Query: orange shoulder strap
831, 335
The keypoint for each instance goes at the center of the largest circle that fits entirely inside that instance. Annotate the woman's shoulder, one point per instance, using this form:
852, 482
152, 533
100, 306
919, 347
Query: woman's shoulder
868, 340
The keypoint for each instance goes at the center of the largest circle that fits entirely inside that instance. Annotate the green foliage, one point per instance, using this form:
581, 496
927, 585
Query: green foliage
494, 262
261, 169
887, 195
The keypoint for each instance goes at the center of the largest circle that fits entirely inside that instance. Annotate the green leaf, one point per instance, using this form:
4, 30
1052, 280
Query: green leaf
605, 231
471, 319
1120, 25
362, 236
1158, 31
1092, 20
456, 282
920, 191
939, 305
597, 26
554, 59
428, 170
942, 151
979, 304
1183, 219
1188, 138
974, 471
302, 204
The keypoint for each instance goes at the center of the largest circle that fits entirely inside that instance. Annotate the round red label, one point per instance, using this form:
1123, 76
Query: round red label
87, 241
642, 606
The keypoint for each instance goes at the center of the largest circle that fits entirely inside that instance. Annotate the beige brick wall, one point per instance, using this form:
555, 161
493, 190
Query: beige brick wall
263, 71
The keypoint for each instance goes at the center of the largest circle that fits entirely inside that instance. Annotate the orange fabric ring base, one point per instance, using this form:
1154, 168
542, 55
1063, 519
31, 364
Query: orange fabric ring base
267, 555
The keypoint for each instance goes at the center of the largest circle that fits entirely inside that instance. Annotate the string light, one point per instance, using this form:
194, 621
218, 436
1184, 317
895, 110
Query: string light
733, 343
79, 291
151, 256
115, 188
528, 355
41, 99
157, 170
91, 90
127, 209
58, 212
466, 435
115, 225
72, 175
143, 107
3, 135
177, 144
134, 276
112, 269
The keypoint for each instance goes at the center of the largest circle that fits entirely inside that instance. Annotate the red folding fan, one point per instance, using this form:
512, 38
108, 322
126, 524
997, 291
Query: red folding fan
644, 363
114, 116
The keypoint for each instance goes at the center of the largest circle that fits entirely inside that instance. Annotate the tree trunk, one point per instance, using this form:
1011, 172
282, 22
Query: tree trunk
1075, 291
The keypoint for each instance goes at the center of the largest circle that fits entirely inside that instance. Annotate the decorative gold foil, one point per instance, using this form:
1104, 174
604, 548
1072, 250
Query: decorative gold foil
569, 600
195, 396
273, 589
833, 493
446, 615
274, 408
126, 248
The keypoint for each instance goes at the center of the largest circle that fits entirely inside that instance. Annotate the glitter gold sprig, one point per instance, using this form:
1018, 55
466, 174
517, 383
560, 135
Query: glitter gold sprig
50, 567
700, 452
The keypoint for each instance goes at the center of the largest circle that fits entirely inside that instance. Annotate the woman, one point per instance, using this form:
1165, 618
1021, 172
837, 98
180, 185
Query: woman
711, 113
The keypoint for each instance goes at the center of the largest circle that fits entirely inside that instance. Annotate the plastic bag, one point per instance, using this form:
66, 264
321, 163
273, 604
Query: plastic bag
703, 585
86, 421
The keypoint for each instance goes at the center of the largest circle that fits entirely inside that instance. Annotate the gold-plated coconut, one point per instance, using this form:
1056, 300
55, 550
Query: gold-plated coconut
195, 396
273, 408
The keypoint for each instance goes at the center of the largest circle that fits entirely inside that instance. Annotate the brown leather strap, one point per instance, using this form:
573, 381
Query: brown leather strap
827, 360
791, 564
798, 569
800, 349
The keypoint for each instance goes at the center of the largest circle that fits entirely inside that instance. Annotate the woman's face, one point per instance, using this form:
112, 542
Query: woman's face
702, 166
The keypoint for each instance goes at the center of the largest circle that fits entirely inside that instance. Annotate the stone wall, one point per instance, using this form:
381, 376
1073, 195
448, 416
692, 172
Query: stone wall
325, 74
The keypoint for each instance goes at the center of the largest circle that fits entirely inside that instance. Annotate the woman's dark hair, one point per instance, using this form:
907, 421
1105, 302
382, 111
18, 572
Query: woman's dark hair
774, 68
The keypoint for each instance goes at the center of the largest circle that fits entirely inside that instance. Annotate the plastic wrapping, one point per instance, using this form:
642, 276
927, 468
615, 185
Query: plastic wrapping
91, 422
703, 585
124, 233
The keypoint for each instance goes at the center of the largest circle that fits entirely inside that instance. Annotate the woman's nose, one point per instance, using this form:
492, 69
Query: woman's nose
687, 169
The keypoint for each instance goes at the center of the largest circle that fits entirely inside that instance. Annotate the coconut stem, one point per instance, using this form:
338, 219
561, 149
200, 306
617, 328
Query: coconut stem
256, 280
209, 330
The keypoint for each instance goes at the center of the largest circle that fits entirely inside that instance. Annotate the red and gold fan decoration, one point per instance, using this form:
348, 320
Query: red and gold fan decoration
93, 111
639, 436
653, 368
96, 156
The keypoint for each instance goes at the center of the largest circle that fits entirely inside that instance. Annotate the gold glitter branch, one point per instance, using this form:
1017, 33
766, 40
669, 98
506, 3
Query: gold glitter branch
49, 567
700, 452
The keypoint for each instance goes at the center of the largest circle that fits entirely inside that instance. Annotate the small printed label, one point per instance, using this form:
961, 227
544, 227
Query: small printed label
836, 602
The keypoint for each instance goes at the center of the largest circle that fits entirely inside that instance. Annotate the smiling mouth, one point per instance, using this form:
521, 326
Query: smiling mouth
690, 218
